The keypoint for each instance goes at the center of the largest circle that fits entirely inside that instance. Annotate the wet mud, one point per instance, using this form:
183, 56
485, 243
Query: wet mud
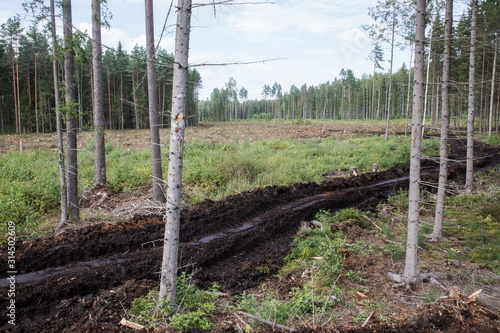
84, 279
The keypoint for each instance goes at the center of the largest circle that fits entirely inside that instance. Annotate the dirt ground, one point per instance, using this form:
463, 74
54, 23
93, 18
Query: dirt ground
214, 132
84, 279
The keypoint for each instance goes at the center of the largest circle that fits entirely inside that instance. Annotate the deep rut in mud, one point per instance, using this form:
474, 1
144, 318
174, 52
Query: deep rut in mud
82, 280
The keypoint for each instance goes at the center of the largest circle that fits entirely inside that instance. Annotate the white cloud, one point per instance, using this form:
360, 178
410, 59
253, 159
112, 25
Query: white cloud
111, 37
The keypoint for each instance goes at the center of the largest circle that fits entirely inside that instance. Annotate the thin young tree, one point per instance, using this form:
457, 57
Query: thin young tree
437, 233
411, 273
11, 31
179, 103
492, 95
71, 122
469, 178
392, 17
377, 56
99, 122
158, 193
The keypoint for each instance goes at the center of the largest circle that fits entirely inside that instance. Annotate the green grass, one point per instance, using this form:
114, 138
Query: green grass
222, 169
29, 187
195, 307
478, 227
473, 218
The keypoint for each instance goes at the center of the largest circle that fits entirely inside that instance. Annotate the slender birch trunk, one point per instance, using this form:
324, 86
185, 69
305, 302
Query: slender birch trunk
158, 193
437, 233
179, 104
469, 180
99, 122
411, 273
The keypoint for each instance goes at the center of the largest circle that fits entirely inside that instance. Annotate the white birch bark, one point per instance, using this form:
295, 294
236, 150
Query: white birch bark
411, 273
174, 183
469, 179
437, 233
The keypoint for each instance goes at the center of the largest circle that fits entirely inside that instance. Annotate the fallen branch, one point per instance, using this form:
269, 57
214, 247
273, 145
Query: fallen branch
376, 226
266, 322
367, 319
474, 296
130, 324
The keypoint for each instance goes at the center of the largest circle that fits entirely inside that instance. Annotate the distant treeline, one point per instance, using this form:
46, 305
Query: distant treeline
367, 97
27, 85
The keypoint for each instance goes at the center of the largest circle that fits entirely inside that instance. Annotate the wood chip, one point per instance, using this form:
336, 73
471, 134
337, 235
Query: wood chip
361, 295
130, 324
474, 296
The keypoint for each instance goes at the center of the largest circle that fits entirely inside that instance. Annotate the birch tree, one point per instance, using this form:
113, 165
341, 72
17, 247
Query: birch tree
411, 273
172, 223
437, 233
469, 179
158, 193
99, 151
71, 122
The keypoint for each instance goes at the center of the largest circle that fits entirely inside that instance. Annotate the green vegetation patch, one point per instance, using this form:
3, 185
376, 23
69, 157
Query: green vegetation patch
478, 227
195, 307
30, 181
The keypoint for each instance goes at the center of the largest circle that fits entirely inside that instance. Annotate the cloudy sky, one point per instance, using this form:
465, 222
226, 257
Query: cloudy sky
313, 40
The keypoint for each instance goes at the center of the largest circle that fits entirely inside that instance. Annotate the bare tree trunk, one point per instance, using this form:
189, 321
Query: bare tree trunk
179, 105
158, 193
349, 102
121, 102
71, 123
427, 82
99, 122
472, 84
378, 103
490, 121
373, 92
60, 144
110, 126
14, 89
390, 79
411, 273
437, 233
498, 107
136, 113
18, 96
36, 99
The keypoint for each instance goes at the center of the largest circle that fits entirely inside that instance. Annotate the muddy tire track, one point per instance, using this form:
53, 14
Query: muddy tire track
66, 277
